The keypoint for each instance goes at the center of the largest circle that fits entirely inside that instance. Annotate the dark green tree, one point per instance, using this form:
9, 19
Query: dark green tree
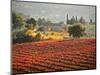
76, 31
17, 20
67, 19
43, 21
39, 22
91, 21
72, 21
76, 20
31, 23
82, 20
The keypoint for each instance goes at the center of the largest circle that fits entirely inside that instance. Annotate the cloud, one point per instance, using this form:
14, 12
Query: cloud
43, 11
53, 11
57, 15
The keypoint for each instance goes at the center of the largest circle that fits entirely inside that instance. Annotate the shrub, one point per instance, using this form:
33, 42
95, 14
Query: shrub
76, 31
20, 37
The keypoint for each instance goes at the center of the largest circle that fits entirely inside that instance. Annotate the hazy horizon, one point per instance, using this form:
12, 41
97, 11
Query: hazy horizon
53, 12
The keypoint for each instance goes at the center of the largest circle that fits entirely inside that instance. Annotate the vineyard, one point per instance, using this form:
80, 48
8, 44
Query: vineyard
50, 56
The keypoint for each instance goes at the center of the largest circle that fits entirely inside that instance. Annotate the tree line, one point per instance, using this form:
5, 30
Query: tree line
20, 26
75, 20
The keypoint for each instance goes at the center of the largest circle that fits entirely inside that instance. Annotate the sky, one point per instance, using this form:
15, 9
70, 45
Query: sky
53, 12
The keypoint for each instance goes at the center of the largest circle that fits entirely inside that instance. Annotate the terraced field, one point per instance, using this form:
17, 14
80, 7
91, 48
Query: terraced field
48, 56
